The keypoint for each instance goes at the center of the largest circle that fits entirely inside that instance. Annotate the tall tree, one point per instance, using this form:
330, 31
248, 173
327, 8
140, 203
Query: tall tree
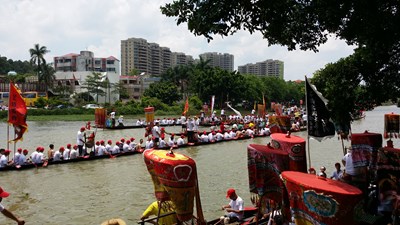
96, 85
37, 57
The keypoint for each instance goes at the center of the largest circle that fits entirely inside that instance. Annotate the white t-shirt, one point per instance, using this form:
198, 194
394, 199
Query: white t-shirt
155, 131
73, 154
3, 161
66, 154
57, 156
180, 141
79, 138
238, 204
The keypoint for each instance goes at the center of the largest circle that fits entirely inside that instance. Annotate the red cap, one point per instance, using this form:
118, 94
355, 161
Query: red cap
230, 192
75, 147
38, 148
109, 141
97, 142
182, 136
62, 148
102, 142
172, 134
122, 139
3, 194
25, 150
82, 128
128, 141
68, 145
19, 149
204, 132
7, 151
117, 143
132, 139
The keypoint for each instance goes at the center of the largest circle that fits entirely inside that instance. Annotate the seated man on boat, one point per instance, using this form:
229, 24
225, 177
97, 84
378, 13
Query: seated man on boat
235, 208
204, 137
180, 140
4, 157
121, 121
162, 144
171, 140
166, 207
58, 154
66, 152
73, 154
17, 156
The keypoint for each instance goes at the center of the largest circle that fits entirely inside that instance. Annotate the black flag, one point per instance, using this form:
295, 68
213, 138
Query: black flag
319, 123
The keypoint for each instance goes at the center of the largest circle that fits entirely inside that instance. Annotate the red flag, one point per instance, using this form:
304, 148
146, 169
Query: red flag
17, 112
186, 107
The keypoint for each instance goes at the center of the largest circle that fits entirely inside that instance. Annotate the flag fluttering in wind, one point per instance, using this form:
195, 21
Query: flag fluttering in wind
212, 104
234, 110
319, 122
17, 112
186, 109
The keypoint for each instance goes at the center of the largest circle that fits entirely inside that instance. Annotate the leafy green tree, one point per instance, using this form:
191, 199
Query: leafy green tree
371, 26
37, 57
95, 84
167, 92
120, 89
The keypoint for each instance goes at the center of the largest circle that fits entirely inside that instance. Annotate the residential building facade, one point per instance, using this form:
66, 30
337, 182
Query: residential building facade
268, 67
85, 61
222, 60
150, 58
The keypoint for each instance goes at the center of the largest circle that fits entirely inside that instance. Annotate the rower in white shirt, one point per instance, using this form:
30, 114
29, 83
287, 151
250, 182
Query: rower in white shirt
126, 147
204, 137
66, 152
162, 144
73, 154
58, 154
180, 140
17, 156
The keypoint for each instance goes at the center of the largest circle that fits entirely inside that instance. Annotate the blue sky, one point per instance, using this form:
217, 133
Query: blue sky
100, 25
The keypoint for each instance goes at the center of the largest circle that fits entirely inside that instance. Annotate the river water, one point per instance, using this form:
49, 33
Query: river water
92, 192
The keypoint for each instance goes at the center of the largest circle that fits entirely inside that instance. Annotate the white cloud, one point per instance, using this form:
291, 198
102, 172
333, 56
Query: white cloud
100, 25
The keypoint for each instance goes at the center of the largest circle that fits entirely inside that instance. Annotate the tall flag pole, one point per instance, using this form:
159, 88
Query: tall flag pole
17, 113
319, 122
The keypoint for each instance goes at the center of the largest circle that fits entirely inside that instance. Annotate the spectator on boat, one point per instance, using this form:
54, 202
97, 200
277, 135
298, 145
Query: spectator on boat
161, 207
312, 171
58, 154
50, 152
322, 172
17, 157
121, 121
126, 147
66, 152
235, 208
80, 140
337, 173
73, 154
5, 212
138, 122
180, 140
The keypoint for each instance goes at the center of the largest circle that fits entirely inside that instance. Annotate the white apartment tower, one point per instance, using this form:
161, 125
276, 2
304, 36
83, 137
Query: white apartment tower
268, 67
224, 61
138, 54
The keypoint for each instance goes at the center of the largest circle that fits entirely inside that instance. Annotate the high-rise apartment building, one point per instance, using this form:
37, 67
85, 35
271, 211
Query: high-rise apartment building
85, 61
268, 67
224, 61
138, 54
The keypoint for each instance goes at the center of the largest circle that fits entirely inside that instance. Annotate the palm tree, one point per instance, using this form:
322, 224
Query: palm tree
37, 58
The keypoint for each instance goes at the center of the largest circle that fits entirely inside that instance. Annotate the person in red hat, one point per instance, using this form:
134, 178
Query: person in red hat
17, 157
4, 157
58, 154
66, 152
180, 140
73, 154
6, 212
80, 140
235, 208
